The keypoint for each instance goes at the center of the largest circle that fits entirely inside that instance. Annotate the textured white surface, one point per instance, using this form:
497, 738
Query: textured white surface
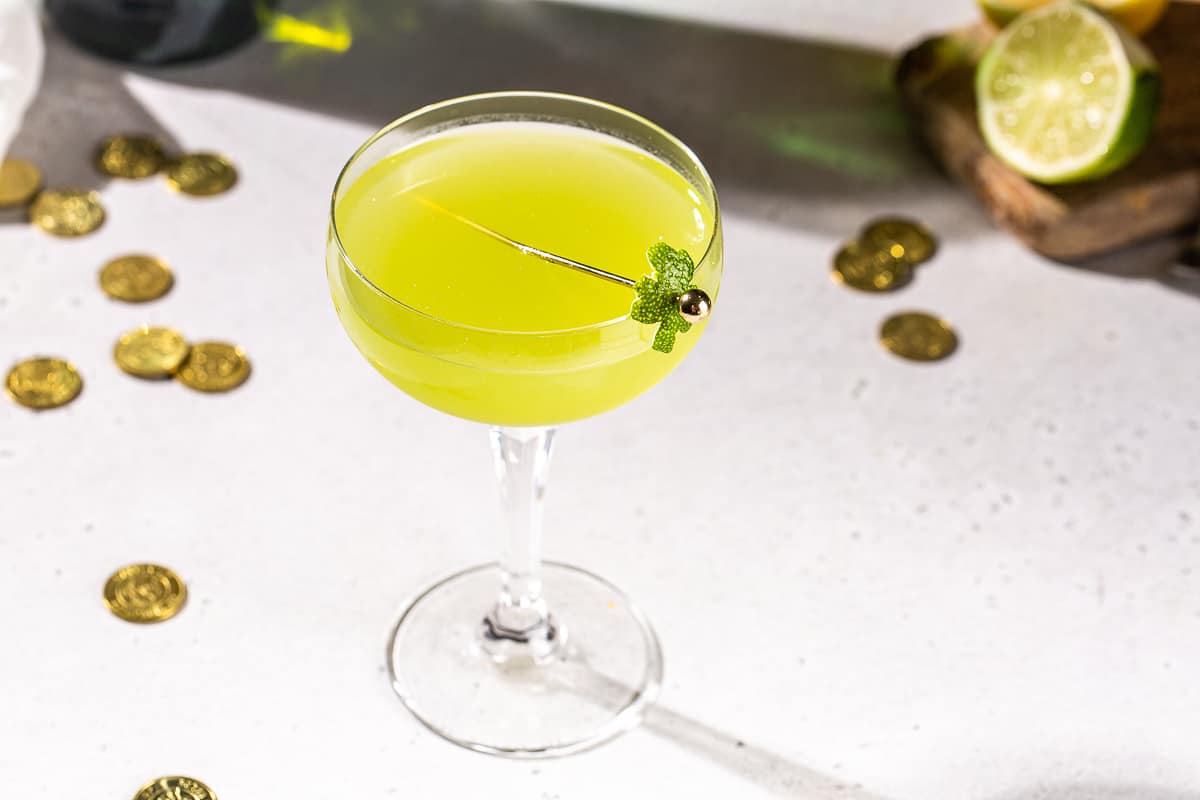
873, 580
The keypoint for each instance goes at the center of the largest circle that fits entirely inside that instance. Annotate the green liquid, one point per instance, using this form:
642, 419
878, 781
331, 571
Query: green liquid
483, 330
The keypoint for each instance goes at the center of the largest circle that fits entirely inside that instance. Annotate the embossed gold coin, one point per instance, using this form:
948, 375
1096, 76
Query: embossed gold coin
869, 270
901, 238
175, 787
201, 174
136, 278
130, 156
19, 182
214, 367
145, 593
42, 383
918, 336
150, 352
67, 212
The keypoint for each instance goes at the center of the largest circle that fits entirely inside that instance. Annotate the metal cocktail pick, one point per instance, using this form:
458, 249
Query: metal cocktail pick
694, 304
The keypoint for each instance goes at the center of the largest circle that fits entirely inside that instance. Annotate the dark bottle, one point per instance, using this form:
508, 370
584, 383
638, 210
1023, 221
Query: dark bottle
157, 31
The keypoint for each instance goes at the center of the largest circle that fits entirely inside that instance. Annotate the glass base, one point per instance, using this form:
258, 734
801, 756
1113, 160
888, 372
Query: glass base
604, 670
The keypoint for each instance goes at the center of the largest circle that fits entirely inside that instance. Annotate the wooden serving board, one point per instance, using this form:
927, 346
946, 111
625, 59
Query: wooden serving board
1157, 193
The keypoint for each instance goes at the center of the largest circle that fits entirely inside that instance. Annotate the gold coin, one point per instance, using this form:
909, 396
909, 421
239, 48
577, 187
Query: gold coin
869, 270
67, 212
42, 383
130, 156
175, 787
918, 336
214, 367
136, 278
144, 593
19, 182
150, 352
201, 174
902, 238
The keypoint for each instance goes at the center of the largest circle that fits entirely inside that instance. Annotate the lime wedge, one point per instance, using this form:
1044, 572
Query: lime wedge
1066, 95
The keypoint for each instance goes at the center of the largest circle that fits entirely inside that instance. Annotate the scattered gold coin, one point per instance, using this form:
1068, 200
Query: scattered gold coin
201, 174
42, 383
136, 278
145, 593
900, 237
214, 367
150, 352
175, 787
19, 182
918, 336
870, 270
67, 212
130, 156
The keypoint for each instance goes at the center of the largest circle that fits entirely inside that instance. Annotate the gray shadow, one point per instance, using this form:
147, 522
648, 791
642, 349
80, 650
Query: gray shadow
773, 772
82, 100
803, 133
1098, 791
1172, 260
1184, 272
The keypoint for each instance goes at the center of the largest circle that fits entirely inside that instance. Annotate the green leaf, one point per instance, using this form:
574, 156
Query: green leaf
664, 339
673, 267
658, 293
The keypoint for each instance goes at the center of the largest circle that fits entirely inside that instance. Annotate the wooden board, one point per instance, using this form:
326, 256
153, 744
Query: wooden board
1157, 193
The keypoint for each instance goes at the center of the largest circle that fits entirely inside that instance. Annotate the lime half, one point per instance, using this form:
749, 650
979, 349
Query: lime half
1066, 95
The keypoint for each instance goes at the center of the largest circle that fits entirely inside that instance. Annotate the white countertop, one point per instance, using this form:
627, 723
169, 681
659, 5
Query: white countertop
974, 579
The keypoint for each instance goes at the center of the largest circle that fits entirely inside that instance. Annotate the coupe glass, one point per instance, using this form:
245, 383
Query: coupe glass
519, 657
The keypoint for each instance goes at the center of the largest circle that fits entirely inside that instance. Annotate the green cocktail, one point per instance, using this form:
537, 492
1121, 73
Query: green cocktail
449, 232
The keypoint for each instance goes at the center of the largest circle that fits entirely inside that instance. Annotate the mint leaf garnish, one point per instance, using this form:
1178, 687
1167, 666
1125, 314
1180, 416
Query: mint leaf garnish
658, 294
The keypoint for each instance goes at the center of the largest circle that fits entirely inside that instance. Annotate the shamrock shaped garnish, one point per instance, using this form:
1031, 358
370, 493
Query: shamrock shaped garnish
658, 294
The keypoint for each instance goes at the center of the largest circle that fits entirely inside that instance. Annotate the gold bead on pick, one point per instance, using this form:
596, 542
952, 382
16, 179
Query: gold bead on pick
695, 305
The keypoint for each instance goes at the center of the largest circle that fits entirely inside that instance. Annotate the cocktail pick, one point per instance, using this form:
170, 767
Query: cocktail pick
666, 297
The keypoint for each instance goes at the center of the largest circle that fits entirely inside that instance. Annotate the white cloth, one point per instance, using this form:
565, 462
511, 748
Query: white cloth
21, 50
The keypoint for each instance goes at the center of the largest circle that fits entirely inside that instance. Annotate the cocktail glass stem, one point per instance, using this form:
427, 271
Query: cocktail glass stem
519, 625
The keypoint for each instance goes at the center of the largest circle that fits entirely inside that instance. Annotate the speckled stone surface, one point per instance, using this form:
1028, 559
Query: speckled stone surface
876, 580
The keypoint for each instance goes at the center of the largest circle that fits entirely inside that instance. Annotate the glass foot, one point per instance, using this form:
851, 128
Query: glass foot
603, 670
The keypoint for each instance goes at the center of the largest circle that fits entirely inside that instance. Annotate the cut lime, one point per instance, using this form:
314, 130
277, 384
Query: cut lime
1066, 95
1138, 16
